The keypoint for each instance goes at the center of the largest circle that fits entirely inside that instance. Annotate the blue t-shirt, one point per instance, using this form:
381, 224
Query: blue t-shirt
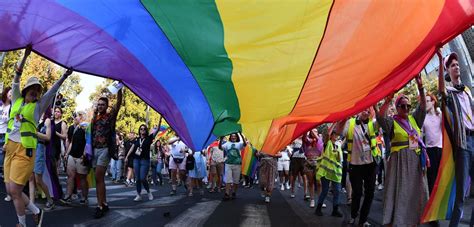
232, 152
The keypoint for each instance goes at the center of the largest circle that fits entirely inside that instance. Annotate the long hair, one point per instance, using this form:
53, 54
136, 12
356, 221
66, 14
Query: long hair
146, 130
237, 135
435, 104
5, 94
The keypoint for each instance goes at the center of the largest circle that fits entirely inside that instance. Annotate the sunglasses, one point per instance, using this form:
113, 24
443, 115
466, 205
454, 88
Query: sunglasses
101, 104
405, 106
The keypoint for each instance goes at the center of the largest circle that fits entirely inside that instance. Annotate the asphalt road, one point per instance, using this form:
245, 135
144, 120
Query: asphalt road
249, 209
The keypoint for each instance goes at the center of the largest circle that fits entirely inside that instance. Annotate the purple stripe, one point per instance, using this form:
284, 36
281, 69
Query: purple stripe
78, 35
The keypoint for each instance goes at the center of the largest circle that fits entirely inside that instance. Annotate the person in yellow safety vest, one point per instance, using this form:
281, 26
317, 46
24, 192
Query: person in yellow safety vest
405, 181
360, 134
21, 138
330, 171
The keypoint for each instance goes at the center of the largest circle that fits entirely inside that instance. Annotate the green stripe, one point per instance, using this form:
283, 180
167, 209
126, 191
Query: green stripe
195, 30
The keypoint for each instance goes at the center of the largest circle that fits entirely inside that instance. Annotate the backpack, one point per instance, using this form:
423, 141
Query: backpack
190, 162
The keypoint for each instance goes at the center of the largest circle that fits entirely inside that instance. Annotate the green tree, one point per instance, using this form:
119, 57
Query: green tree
133, 111
47, 72
8, 67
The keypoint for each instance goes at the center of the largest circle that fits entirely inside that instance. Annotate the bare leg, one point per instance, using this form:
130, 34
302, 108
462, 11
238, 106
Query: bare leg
174, 179
100, 185
84, 186
71, 176
310, 183
42, 185
32, 188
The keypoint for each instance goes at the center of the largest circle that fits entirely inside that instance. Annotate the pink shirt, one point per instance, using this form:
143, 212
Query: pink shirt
312, 148
432, 130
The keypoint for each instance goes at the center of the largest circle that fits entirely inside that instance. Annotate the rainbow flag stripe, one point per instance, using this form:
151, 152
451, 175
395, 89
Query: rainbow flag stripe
249, 161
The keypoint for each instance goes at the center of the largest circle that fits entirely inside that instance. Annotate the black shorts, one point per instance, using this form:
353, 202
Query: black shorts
297, 166
130, 163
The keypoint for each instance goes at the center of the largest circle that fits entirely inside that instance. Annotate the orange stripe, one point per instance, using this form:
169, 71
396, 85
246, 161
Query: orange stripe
358, 43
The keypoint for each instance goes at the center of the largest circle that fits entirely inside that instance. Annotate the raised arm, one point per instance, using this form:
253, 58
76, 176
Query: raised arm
48, 97
441, 84
18, 71
242, 138
118, 104
383, 109
420, 112
221, 142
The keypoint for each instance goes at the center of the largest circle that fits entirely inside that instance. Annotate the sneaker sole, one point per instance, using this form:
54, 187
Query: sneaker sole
41, 218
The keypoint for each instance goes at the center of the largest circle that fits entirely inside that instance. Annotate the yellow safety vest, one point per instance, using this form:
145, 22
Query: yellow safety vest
330, 167
400, 138
28, 123
350, 137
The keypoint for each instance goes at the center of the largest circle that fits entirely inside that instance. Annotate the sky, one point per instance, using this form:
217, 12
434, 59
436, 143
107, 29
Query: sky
89, 83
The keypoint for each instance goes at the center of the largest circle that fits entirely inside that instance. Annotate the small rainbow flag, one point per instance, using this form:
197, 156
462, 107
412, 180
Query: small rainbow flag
89, 154
249, 161
441, 202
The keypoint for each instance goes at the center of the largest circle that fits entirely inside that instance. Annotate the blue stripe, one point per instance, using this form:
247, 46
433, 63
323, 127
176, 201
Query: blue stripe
131, 25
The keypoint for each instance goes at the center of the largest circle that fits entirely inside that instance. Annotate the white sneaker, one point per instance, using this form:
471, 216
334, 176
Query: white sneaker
311, 203
380, 187
288, 186
138, 198
324, 205
150, 196
292, 195
282, 188
8, 198
366, 224
267, 199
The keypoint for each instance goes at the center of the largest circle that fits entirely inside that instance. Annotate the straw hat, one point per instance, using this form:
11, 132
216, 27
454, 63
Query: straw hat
31, 82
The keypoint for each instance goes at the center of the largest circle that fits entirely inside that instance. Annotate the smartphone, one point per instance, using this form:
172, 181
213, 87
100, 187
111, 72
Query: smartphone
29, 152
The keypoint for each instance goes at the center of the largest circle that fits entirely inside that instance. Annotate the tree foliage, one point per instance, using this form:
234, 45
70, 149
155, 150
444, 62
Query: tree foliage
47, 72
133, 111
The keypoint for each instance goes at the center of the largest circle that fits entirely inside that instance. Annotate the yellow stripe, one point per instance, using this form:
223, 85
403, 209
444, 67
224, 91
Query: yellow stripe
271, 45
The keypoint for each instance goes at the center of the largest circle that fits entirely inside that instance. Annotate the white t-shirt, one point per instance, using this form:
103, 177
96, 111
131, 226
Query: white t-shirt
432, 130
361, 153
4, 116
178, 149
298, 149
285, 155
232, 152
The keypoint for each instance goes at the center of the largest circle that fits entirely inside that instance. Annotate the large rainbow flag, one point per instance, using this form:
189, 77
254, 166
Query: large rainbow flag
271, 69
249, 161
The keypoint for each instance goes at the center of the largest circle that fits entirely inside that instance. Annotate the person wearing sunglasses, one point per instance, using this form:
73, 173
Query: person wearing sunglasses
405, 172
103, 128
141, 160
